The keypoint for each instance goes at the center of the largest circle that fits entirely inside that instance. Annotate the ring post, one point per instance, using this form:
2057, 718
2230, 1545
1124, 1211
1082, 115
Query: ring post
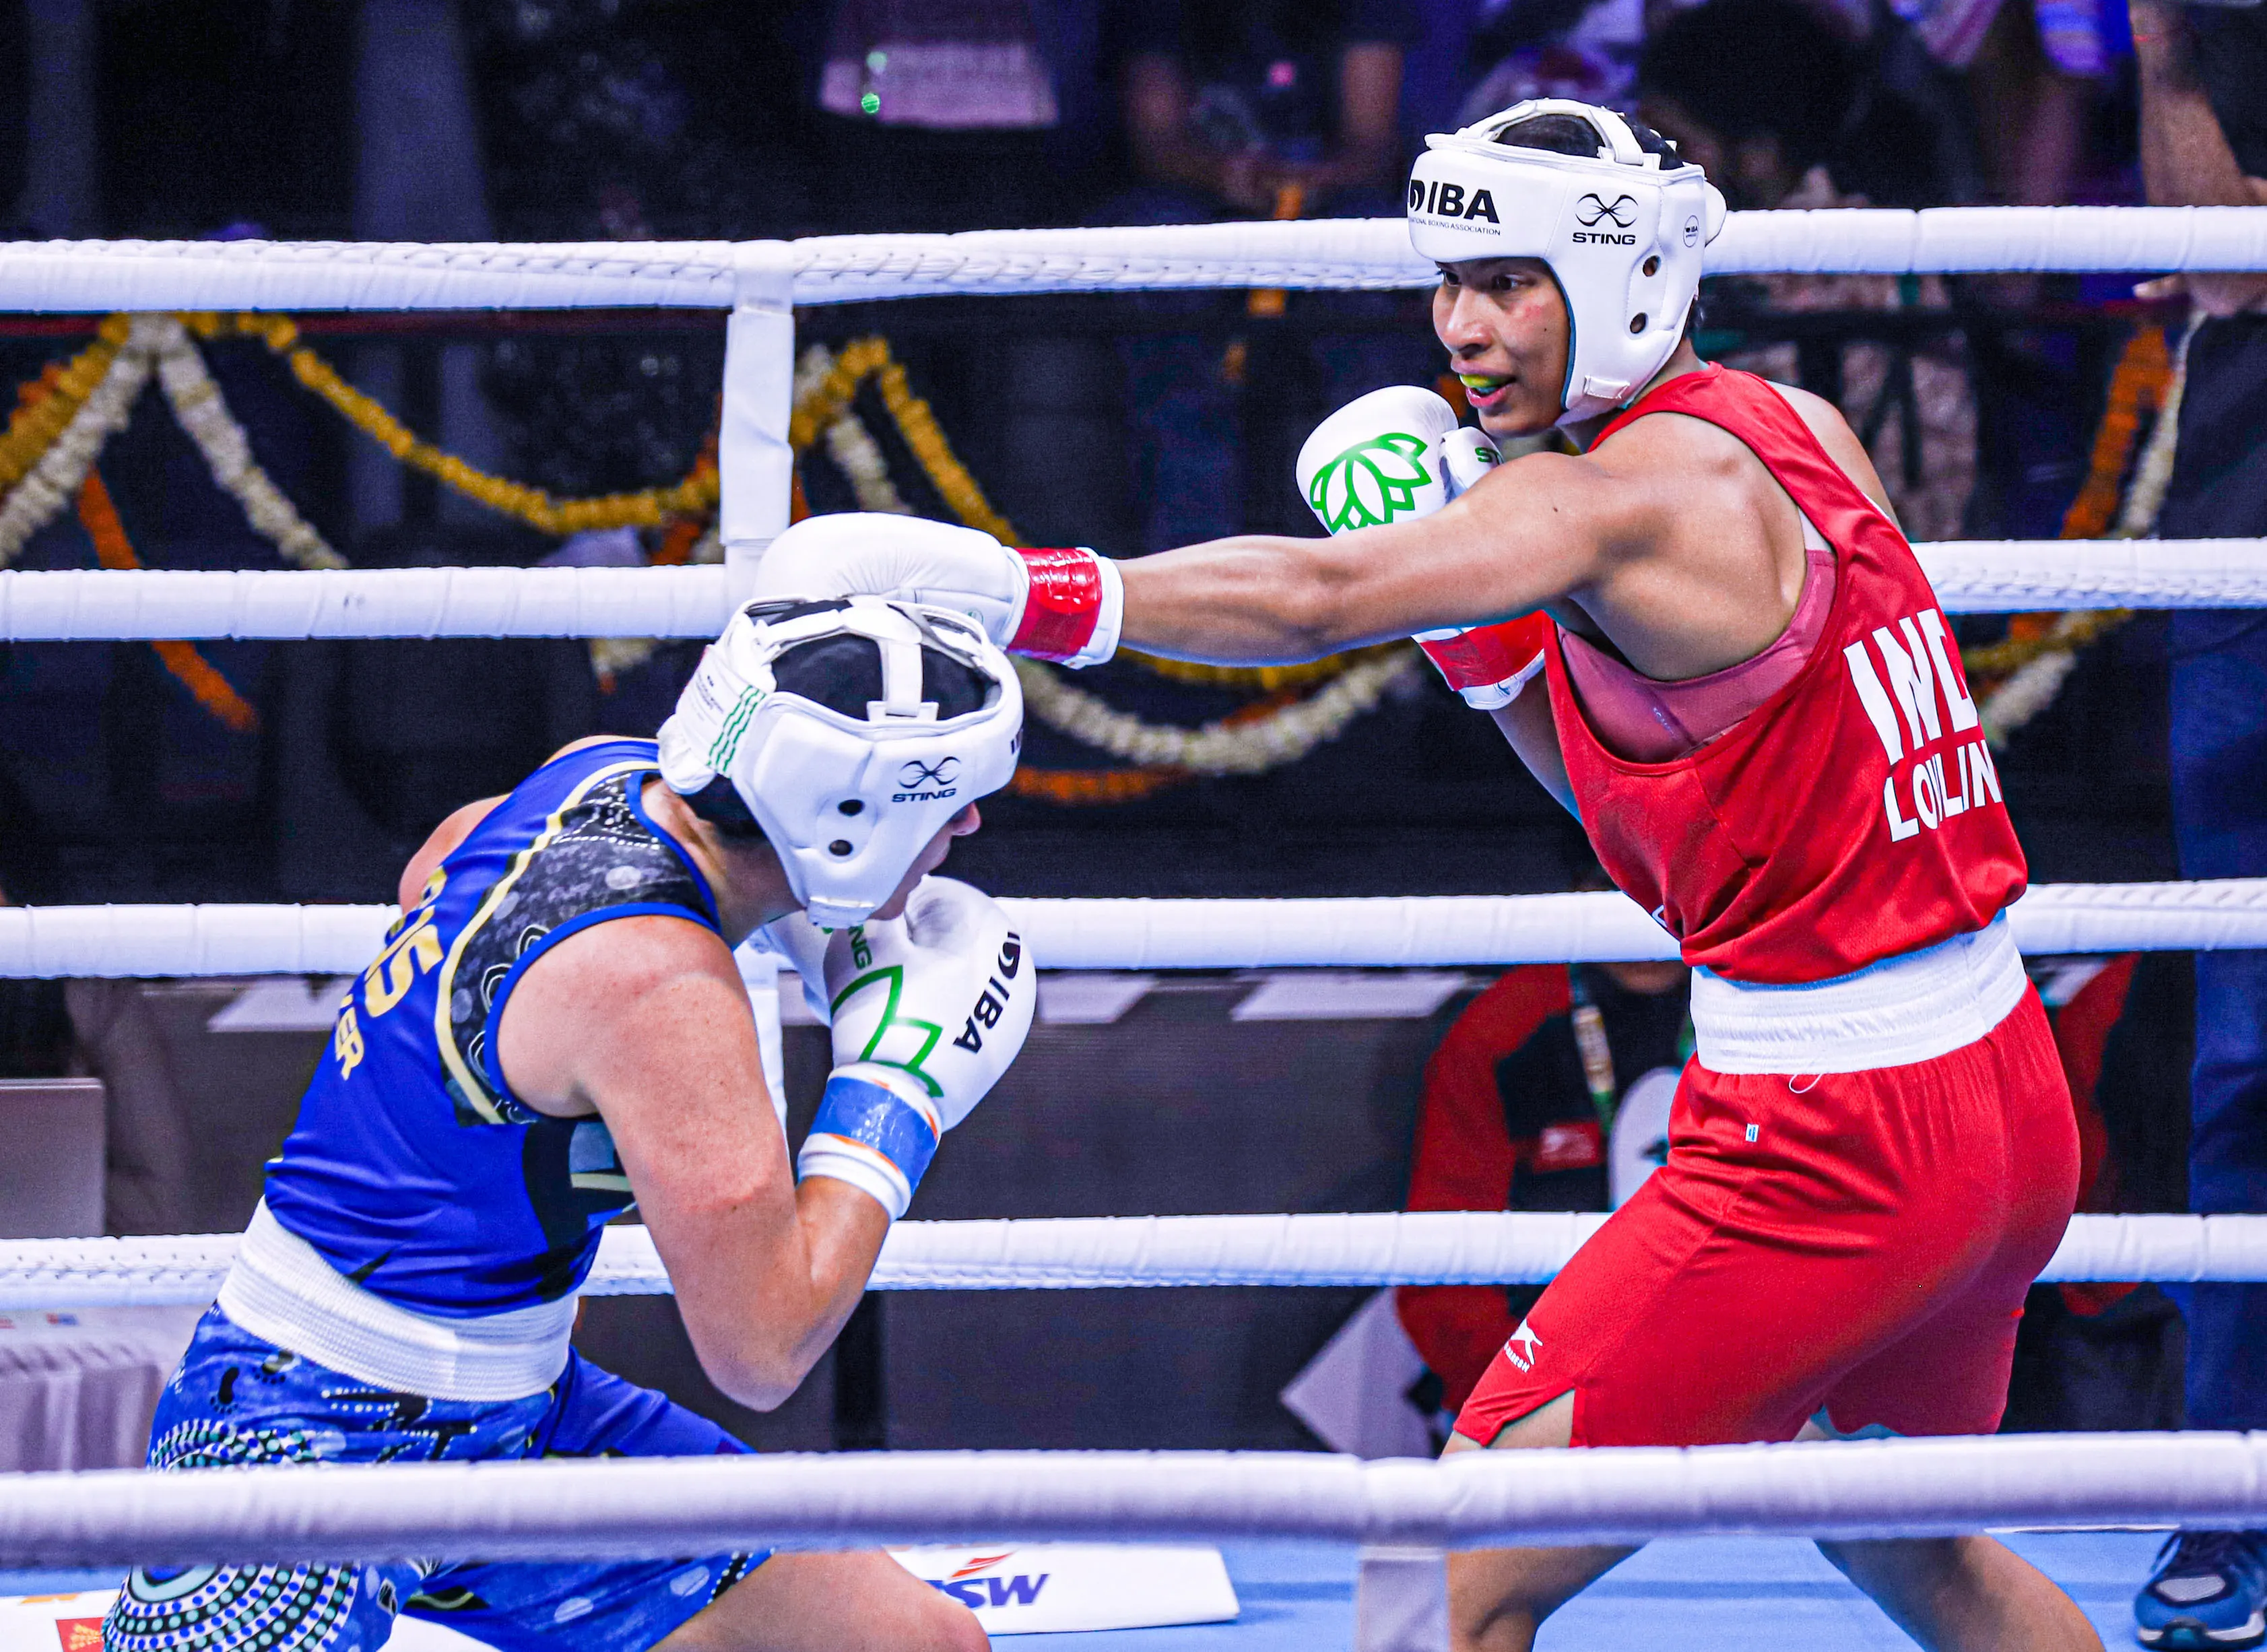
755, 465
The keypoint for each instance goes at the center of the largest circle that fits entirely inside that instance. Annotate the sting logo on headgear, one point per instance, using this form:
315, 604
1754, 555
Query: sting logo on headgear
919, 774
1590, 210
927, 782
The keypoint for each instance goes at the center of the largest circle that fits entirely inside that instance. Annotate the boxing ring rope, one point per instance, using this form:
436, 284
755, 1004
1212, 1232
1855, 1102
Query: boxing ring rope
1340, 253
1383, 932
639, 1508
1369, 1248
107, 605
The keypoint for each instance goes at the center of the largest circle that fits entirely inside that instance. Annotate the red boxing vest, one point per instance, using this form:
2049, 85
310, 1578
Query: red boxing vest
1855, 814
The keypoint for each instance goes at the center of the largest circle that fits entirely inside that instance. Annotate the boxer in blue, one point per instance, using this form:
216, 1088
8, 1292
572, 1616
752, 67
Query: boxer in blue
555, 1031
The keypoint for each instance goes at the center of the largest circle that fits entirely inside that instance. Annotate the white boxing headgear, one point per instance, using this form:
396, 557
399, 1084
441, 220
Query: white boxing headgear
850, 732
1623, 232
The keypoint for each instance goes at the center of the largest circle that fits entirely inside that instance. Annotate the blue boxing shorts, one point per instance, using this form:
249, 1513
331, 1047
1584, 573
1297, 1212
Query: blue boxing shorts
238, 1401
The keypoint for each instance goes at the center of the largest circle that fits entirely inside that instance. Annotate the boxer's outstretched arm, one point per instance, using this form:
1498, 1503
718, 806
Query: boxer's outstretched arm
1538, 529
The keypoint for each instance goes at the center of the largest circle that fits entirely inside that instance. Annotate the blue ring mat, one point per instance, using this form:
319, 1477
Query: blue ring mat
1696, 1593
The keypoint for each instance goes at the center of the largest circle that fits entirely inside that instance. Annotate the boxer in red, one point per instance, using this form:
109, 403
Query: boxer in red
1749, 696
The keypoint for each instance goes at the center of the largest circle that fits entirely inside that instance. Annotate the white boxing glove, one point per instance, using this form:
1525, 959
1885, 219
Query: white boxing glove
1062, 603
1397, 454
1393, 455
929, 1010
802, 945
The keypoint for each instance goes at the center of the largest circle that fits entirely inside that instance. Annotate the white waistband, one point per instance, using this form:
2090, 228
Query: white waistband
282, 1289
1911, 1008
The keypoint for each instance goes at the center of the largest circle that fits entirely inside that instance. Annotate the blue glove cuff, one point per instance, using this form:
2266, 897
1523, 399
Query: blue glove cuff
861, 1114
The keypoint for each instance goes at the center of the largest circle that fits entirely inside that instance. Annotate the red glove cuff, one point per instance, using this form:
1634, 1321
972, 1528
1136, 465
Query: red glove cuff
1063, 604
1481, 658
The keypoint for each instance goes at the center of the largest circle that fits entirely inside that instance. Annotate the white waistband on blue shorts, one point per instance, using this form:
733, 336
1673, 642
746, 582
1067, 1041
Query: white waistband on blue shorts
1911, 1007
282, 1289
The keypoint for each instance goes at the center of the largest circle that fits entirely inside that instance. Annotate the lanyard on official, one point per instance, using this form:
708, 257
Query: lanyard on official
1597, 1053
1590, 1042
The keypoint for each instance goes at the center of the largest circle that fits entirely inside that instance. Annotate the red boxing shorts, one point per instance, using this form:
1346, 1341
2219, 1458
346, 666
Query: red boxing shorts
1854, 1241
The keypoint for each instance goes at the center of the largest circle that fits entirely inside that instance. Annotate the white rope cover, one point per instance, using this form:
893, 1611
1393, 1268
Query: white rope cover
96, 604
1475, 929
2019, 576
1371, 933
1439, 1247
1355, 253
88, 604
631, 1509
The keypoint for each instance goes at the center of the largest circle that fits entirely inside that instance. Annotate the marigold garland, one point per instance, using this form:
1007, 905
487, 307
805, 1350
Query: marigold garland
824, 395
648, 507
200, 409
46, 405
1092, 788
2041, 650
52, 480
113, 549
1268, 735
1096, 787
1257, 738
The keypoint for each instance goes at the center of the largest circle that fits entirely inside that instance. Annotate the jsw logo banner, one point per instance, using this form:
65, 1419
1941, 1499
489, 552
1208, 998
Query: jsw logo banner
1045, 1587
1908, 680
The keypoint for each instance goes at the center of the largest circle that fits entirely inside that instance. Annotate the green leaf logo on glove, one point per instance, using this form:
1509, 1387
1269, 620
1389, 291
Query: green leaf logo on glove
893, 977
1370, 483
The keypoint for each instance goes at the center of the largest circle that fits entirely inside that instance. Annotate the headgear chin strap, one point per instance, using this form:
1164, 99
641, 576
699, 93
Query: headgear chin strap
848, 793
1624, 236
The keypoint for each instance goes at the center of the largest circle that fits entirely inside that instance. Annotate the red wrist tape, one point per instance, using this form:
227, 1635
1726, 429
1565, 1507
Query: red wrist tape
1489, 655
1063, 604
1478, 658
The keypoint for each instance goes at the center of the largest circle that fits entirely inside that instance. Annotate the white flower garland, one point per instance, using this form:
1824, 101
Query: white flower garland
159, 343
1218, 748
852, 446
2031, 688
849, 444
1280, 737
51, 483
202, 411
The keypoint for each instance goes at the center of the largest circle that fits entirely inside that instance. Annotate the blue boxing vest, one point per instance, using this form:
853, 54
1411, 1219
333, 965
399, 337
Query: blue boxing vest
411, 1169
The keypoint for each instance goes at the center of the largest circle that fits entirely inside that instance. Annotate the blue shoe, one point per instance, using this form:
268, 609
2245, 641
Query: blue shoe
2209, 1591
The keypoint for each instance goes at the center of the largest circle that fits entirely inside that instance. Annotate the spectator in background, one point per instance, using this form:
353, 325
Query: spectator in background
2204, 143
1238, 109
939, 114
1780, 105
1585, 49
1251, 108
1783, 110
1550, 1093
2034, 70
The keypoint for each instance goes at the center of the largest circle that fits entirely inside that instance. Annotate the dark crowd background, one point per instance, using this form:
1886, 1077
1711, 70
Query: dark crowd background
1125, 422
